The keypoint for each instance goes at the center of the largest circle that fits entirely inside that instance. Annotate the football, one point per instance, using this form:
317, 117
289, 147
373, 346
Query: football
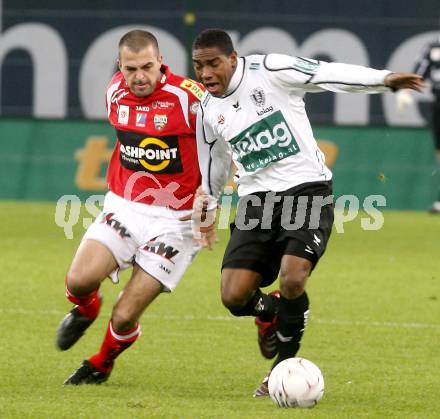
296, 382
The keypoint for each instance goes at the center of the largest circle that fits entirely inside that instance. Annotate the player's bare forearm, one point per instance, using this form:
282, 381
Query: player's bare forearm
397, 81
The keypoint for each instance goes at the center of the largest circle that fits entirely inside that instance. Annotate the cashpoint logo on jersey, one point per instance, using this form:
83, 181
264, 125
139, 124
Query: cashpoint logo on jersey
150, 154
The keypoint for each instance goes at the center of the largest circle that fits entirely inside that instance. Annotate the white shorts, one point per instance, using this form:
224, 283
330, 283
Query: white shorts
149, 235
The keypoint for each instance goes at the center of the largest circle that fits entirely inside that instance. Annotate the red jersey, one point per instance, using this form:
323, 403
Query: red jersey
155, 158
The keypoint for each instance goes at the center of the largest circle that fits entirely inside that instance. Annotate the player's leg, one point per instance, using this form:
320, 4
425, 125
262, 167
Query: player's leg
92, 263
252, 261
123, 328
107, 246
292, 312
248, 265
241, 295
160, 265
302, 249
293, 303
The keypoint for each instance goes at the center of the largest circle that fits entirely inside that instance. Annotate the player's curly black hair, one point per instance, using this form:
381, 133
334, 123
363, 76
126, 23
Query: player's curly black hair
210, 38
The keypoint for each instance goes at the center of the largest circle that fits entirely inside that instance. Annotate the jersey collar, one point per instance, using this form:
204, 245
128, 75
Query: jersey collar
236, 77
165, 70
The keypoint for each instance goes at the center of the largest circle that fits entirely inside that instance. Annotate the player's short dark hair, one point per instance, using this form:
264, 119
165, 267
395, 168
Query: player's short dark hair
210, 38
137, 39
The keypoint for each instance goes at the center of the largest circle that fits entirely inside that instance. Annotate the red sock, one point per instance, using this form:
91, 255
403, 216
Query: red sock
88, 305
112, 346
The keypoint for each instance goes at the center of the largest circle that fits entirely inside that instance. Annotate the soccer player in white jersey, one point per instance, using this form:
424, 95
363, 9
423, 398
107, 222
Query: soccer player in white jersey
253, 111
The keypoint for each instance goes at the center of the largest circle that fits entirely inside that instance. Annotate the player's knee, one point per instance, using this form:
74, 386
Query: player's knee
76, 283
233, 301
79, 282
293, 280
122, 321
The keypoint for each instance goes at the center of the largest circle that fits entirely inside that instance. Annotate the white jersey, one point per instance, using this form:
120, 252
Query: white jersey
262, 124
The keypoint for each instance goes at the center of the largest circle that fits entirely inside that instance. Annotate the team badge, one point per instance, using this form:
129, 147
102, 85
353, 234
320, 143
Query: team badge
221, 119
141, 119
160, 121
258, 97
123, 114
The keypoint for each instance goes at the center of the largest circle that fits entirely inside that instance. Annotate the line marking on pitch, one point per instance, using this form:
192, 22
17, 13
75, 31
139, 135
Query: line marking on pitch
191, 317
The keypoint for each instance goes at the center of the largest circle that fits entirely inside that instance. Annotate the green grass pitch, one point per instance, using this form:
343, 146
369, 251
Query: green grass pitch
374, 331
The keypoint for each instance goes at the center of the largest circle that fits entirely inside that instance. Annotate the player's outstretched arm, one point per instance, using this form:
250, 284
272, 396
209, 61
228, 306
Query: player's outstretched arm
397, 81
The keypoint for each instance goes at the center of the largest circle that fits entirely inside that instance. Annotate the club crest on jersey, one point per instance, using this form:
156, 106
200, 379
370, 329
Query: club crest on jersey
141, 119
160, 121
221, 119
258, 97
123, 114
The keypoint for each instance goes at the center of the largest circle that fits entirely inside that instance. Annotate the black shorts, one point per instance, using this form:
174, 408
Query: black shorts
300, 224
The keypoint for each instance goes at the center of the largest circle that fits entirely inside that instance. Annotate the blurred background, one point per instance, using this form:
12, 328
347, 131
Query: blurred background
56, 58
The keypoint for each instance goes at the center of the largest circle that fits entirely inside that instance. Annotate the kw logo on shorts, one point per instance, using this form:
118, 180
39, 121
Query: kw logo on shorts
149, 154
266, 141
161, 249
107, 218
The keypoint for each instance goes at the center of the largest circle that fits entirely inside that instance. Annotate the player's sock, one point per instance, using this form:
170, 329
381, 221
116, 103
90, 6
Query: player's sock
88, 305
112, 346
265, 306
292, 319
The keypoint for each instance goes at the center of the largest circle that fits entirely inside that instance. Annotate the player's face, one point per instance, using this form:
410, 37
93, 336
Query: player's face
214, 69
141, 70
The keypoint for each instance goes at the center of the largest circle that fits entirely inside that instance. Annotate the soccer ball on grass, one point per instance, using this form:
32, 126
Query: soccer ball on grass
296, 382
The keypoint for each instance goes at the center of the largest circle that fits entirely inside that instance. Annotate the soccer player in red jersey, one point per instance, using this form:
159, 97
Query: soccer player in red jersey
152, 177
